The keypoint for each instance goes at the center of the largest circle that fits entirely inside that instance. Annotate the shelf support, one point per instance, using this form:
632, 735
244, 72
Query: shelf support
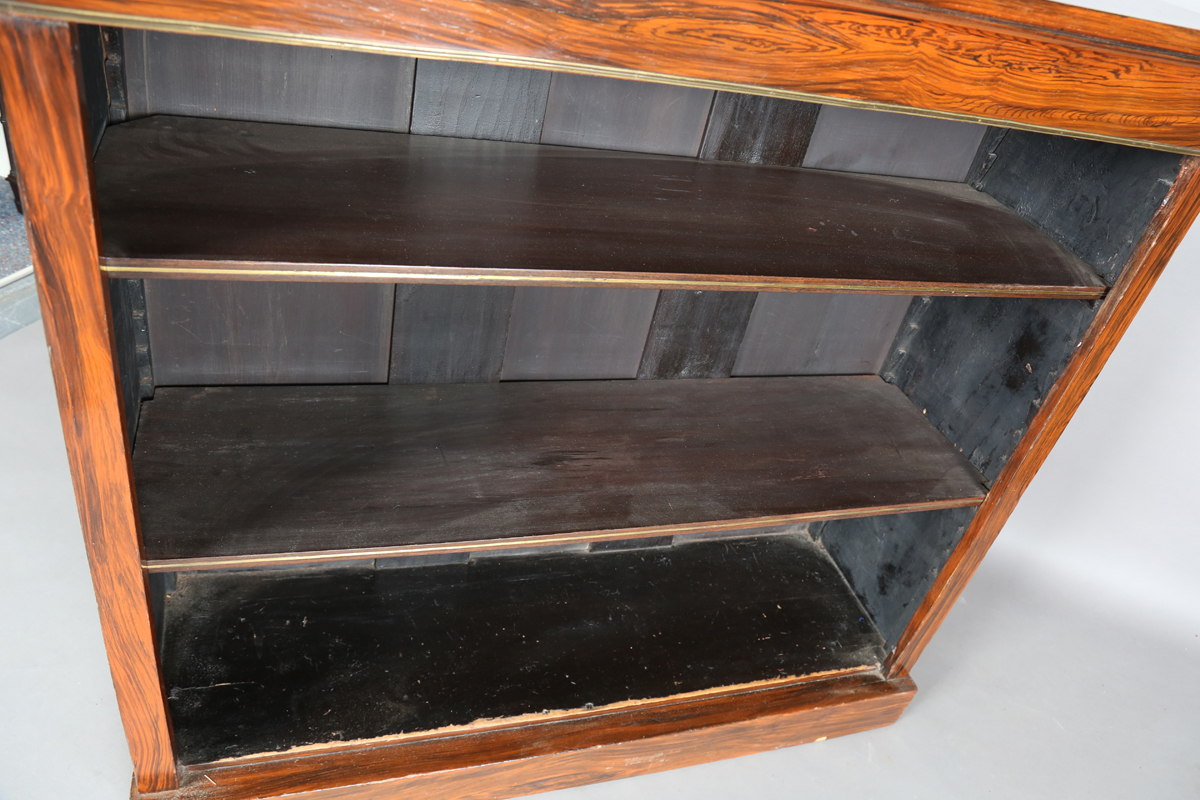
40, 72
1117, 311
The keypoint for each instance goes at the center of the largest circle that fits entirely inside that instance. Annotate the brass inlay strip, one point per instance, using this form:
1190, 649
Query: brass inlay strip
225, 562
376, 273
447, 54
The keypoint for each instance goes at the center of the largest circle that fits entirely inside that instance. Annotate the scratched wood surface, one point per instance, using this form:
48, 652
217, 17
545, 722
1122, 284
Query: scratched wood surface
233, 192
205, 76
586, 111
493, 639
1006, 62
231, 332
402, 468
563, 752
45, 117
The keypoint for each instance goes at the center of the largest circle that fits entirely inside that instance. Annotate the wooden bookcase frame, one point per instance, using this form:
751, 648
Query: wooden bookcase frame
1006, 63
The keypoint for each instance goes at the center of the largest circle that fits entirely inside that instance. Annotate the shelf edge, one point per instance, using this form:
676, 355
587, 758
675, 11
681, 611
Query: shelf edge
319, 556
180, 269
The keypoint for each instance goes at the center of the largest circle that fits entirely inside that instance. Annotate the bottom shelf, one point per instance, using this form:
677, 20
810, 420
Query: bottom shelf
269, 661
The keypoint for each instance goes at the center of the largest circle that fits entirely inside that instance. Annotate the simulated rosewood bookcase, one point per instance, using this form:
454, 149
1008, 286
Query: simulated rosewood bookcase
473, 399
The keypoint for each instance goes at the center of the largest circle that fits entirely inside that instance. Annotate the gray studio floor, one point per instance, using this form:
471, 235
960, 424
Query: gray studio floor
1069, 668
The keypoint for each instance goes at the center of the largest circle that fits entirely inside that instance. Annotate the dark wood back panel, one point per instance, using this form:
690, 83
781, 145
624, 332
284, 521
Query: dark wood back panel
819, 334
1096, 199
231, 332
696, 334
479, 101
206, 76
573, 334
449, 334
611, 114
884, 143
461, 333
758, 130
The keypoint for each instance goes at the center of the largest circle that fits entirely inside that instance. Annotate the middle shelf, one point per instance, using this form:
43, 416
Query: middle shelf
240, 476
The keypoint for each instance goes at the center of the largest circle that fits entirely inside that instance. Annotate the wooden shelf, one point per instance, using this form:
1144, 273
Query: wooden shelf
265, 474
267, 661
185, 197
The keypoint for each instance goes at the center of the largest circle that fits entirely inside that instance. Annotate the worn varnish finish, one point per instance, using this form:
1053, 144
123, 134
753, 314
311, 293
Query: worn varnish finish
479, 101
1007, 62
1149, 258
695, 334
577, 334
270, 661
1095, 199
227, 332
819, 334
449, 334
563, 752
584, 111
466, 466
892, 560
205, 76
229, 197
758, 130
907, 146
44, 107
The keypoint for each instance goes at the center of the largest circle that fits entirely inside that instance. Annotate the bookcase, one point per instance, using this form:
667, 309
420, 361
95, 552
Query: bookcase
479, 401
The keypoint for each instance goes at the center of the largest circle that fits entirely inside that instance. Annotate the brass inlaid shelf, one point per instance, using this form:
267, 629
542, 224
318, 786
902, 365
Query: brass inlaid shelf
277, 474
184, 197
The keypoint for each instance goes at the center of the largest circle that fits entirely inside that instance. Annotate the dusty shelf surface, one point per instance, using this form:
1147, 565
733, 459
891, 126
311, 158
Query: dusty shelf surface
264, 661
232, 476
182, 197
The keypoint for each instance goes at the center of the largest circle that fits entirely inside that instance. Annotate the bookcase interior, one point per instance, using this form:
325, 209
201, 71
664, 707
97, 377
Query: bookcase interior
425, 359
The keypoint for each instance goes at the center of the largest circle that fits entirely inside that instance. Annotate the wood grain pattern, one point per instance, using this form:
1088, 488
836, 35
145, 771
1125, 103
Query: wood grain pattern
758, 130
449, 334
44, 104
217, 191
610, 114
819, 334
695, 334
881, 143
1007, 63
479, 101
488, 642
223, 332
560, 753
206, 76
336, 471
1150, 257
577, 334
